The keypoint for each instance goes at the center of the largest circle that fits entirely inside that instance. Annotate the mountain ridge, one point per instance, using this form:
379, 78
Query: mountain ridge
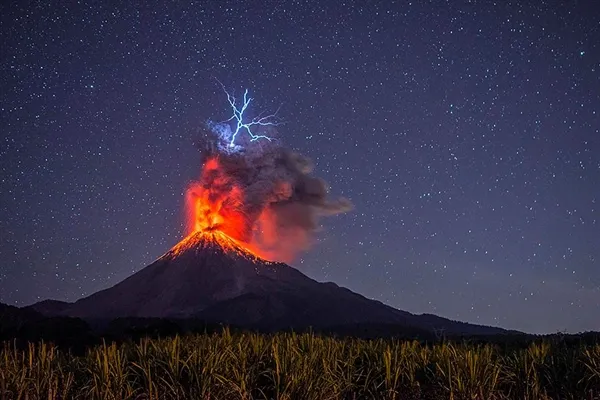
211, 277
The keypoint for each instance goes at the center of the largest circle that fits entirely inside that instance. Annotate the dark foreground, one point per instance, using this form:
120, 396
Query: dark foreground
229, 365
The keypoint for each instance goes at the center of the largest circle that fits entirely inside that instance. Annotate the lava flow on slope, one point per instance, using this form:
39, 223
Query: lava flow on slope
215, 239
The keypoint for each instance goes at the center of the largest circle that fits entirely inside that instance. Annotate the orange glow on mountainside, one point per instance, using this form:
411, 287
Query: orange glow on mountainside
229, 245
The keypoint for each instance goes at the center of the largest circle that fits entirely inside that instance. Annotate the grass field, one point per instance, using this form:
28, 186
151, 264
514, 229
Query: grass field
303, 366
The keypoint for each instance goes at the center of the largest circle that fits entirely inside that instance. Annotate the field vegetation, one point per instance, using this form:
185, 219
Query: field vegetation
281, 366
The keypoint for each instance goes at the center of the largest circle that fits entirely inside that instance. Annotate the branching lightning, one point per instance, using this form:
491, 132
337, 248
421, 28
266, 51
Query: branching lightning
238, 116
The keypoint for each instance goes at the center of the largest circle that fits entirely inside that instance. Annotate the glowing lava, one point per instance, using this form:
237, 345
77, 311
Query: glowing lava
208, 239
215, 208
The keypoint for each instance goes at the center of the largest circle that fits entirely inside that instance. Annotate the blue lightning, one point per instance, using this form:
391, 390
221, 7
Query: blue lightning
238, 116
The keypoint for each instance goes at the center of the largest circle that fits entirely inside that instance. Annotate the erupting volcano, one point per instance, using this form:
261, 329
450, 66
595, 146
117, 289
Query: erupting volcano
254, 205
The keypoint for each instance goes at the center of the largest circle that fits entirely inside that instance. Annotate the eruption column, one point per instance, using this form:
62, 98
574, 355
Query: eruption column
264, 197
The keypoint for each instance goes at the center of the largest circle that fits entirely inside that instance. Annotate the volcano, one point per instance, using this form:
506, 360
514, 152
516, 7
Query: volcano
212, 277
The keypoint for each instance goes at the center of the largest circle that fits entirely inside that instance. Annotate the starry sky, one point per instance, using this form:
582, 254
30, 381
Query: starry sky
466, 133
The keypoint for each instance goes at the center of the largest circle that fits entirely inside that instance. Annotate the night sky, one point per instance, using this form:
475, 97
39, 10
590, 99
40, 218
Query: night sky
466, 133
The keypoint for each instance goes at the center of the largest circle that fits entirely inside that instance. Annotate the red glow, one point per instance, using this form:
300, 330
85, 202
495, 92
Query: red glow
215, 206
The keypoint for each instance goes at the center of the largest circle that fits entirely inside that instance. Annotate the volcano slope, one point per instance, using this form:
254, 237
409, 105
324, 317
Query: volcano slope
210, 277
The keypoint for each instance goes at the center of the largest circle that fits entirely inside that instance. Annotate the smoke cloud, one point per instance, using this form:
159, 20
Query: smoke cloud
260, 193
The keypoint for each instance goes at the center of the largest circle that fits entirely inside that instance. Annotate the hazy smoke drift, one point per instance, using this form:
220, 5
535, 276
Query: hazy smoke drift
263, 193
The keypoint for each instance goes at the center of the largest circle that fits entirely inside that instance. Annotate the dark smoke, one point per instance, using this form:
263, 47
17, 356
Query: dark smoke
282, 200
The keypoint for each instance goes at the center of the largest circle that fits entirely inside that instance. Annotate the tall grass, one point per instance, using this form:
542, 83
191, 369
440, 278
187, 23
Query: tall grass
291, 366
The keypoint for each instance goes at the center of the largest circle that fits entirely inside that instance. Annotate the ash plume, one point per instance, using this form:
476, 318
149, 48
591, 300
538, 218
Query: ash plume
265, 194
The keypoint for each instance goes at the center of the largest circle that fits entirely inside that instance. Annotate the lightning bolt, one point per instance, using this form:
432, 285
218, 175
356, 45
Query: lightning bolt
238, 116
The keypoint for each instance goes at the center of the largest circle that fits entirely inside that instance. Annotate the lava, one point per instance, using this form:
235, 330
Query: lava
200, 239
215, 207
